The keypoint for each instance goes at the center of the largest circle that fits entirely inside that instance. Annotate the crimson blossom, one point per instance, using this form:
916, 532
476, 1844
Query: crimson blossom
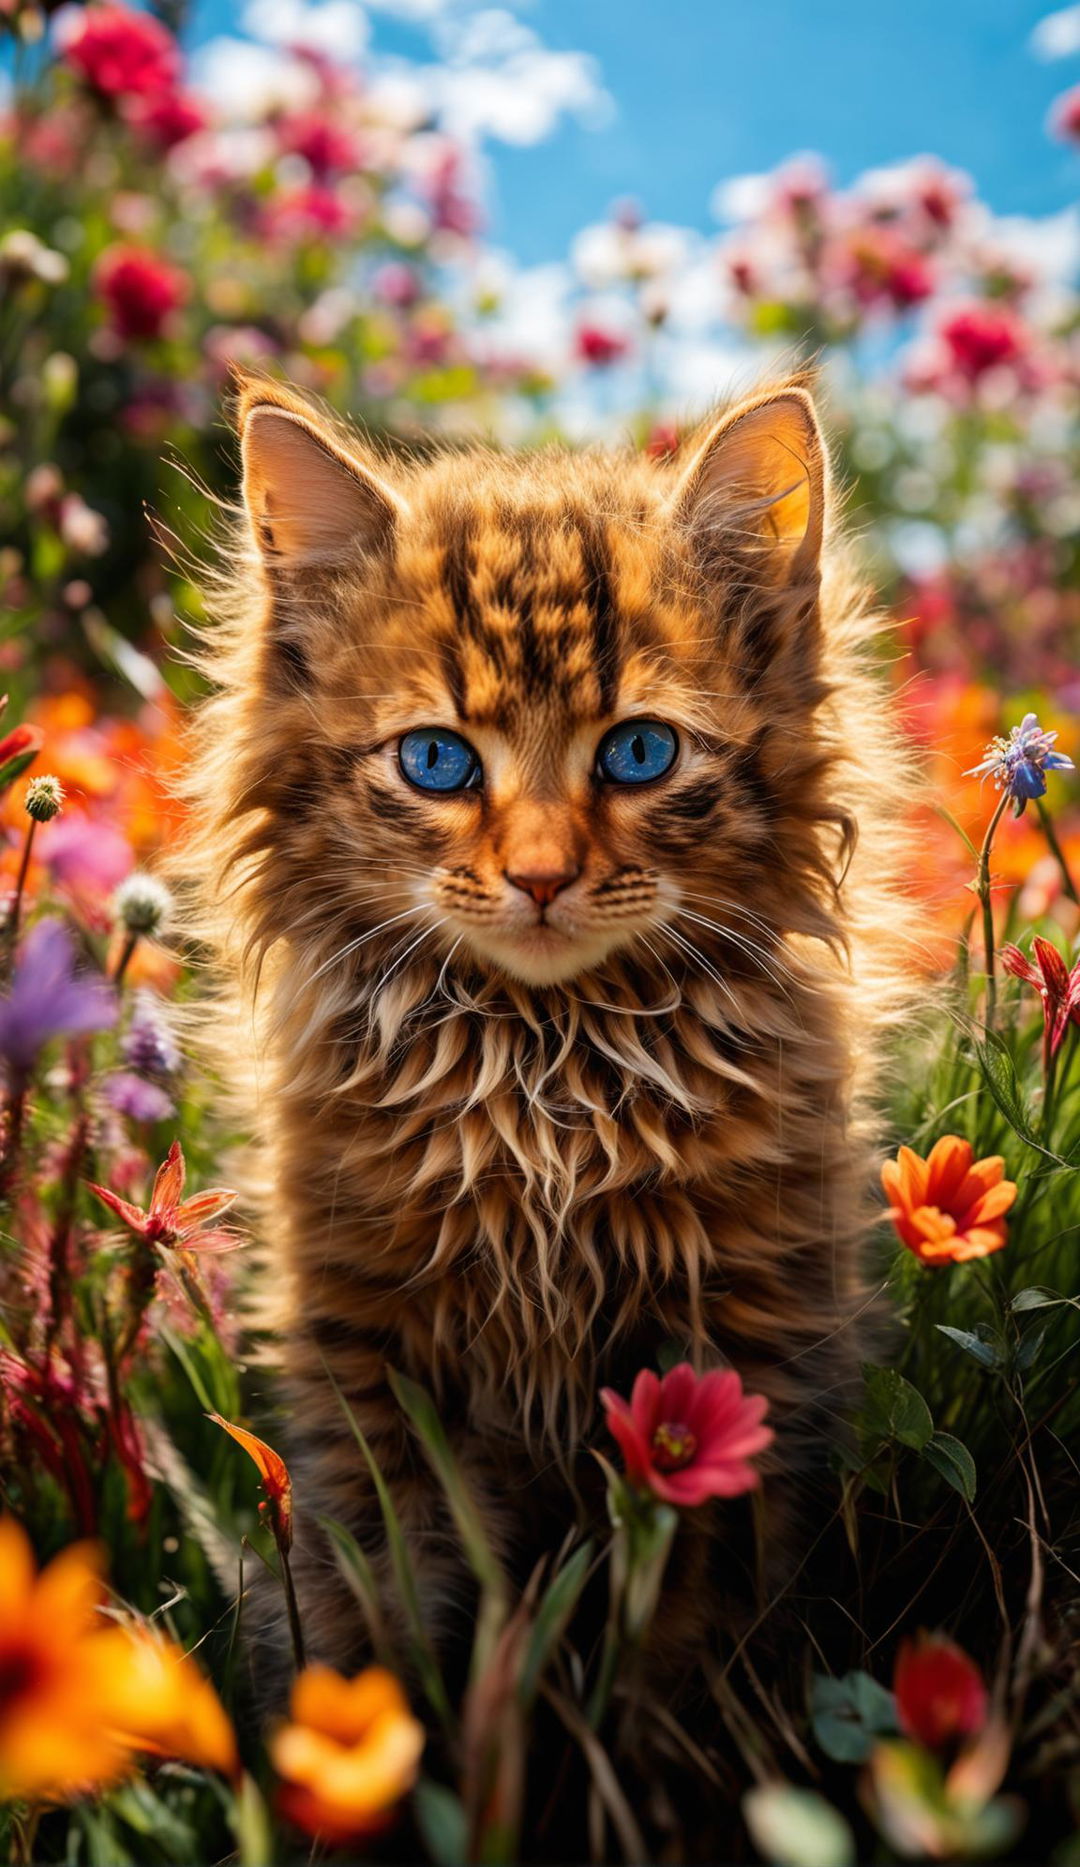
122, 52
688, 1437
941, 1697
139, 288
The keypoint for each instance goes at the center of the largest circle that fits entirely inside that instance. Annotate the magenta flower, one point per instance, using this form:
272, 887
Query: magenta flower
688, 1437
48, 998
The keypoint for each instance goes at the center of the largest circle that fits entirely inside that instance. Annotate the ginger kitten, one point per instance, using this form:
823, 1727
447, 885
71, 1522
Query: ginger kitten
543, 841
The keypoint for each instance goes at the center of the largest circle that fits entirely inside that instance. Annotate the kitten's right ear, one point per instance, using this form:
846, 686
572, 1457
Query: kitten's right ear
310, 503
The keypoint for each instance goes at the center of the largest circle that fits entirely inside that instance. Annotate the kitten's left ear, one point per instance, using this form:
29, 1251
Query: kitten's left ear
758, 484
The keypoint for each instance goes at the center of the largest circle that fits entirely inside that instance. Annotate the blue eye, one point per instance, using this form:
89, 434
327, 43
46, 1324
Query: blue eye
434, 759
636, 751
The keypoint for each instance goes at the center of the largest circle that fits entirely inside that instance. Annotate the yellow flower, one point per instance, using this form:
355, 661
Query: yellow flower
348, 1754
79, 1694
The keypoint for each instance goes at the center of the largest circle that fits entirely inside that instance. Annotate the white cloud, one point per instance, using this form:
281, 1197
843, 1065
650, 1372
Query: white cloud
742, 197
246, 81
1058, 35
1049, 247
498, 79
338, 28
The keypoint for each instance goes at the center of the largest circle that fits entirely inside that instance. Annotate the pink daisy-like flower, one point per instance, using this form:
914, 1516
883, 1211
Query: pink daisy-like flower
688, 1437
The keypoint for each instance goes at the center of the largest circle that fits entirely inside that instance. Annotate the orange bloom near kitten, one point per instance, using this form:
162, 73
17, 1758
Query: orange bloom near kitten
544, 840
950, 1207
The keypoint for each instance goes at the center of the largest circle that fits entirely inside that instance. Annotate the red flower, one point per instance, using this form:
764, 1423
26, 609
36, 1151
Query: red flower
18, 749
121, 52
599, 347
940, 1695
1058, 988
982, 337
140, 289
170, 1220
168, 119
275, 1477
688, 1437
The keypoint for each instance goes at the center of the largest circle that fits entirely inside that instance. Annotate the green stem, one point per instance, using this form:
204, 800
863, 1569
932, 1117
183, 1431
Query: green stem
16, 905
296, 1632
124, 961
982, 890
1051, 836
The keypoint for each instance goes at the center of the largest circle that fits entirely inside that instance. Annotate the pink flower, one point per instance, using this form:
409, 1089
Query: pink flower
688, 1437
1057, 986
139, 288
982, 337
940, 1694
122, 52
311, 212
326, 147
598, 346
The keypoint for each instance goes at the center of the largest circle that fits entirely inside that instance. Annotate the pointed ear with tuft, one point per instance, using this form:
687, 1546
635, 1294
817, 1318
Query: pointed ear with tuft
310, 503
756, 488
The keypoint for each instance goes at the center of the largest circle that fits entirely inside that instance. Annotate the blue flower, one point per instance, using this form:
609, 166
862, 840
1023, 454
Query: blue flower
1019, 763
48, 998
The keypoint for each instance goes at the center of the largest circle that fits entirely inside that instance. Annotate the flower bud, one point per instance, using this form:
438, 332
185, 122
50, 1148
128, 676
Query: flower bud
142, 904
44, 798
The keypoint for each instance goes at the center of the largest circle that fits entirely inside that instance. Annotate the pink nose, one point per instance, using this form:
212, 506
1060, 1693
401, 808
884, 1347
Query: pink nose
543, 884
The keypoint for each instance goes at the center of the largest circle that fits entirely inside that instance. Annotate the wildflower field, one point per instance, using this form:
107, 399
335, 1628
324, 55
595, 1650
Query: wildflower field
153, 237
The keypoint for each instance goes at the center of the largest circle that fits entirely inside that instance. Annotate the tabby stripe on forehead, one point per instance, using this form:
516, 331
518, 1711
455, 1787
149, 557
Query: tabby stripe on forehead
597, 572
457, 580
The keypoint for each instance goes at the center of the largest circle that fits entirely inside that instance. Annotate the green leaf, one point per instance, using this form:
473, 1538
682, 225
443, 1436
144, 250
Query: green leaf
420, 1647
557, 1604
1030, 1347
952, 1461
987, 1354
442, 1823
797, 1828
251, 1825
894, 1409
849, 1714
357, 1571
423, 1413
13, 768
1034, 1297
954, 824
481, 1557
999, 1074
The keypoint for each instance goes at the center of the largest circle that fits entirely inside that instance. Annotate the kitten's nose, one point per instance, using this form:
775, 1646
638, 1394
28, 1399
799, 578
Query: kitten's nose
542, 884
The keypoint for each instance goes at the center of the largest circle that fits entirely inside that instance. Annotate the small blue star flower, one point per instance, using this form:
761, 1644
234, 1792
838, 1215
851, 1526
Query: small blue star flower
1019, 763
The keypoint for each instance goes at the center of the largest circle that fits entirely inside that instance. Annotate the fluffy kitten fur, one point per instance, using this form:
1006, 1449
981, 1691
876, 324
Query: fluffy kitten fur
516, 1161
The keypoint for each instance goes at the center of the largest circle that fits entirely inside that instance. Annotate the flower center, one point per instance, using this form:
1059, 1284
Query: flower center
673, 1445
20, 1672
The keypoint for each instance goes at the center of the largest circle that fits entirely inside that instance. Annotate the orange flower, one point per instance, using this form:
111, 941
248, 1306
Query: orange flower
949, 1207
275, 1476
349, 1753
162, 1703
78, 1694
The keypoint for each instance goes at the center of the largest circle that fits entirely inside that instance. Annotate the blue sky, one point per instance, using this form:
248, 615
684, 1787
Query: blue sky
705, 89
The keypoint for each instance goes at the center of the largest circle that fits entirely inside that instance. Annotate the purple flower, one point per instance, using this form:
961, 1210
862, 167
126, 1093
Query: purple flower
148, 1044
134, 1097
1019, 763
48, 998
